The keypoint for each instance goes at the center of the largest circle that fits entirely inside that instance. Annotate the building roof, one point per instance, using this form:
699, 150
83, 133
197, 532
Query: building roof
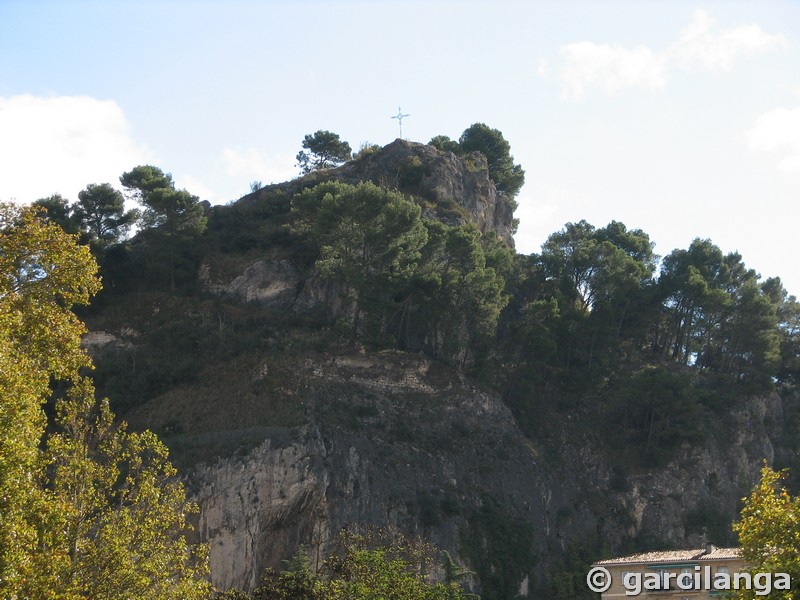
721, 554
673, 556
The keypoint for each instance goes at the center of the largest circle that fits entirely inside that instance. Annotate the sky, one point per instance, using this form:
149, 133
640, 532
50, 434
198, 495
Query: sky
678, 118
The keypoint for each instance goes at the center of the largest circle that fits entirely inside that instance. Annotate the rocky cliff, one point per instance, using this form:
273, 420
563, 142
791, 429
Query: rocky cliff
397, 441
286, 438
456, 189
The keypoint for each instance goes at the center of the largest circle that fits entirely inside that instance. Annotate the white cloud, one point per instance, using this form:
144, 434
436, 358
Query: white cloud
62, 144
611, 67
699, 47
256, 165
778, 131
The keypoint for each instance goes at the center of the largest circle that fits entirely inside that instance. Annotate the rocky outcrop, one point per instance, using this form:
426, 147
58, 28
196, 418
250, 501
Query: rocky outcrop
274, 283
445, 179
397, 441
388, 443
259, 508
451, 188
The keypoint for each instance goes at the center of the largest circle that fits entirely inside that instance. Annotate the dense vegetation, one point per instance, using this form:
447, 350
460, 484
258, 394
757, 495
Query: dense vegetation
363, 567
595, 326
87, 509
508, 177
769, 533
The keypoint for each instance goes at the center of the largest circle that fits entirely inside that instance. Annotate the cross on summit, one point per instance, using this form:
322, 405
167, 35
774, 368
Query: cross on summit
400, 116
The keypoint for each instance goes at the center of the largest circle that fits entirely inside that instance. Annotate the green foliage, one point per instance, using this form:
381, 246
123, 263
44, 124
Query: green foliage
787, 310
322, 150
598, 266
368, 238
656, 410
508, 177
411, 173
173, 211
56, 209
366, 149
174, 216
717, 316
86, 509
42, 274
459, 294
445, 144
100, 213
357, 571
602, 279
122, 514
144, 179
566, 580
500, 549
769, 532
257, 224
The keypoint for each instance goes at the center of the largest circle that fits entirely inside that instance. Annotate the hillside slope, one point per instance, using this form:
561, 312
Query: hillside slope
286, 434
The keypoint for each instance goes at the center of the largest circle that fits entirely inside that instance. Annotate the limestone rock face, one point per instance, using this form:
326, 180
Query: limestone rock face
456, 189
258, 508
274, 283
441, 177
397, 441
388, 444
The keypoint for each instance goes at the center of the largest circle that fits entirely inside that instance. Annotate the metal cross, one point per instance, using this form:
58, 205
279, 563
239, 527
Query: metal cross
400, 116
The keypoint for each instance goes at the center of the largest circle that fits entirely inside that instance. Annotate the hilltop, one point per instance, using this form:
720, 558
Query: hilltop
528, 414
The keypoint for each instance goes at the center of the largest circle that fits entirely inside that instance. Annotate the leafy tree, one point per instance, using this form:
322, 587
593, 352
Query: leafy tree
445, 144
101, 213
368, 238
374, 574
56, 208
322, 150
174, 215
86, 509
122, 513
748, 345
500, 548
358, 570
508, 177
42, 274
718, 316
693, 284
787, 310
365, 149
769, 533
463, 295
144, 179
601, 277
174, 211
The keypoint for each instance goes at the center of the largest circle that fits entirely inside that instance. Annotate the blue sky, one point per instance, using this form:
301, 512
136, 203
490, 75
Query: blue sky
679, 118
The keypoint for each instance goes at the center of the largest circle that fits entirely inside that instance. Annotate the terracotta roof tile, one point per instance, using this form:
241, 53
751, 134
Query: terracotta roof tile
672, 556
722, 553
